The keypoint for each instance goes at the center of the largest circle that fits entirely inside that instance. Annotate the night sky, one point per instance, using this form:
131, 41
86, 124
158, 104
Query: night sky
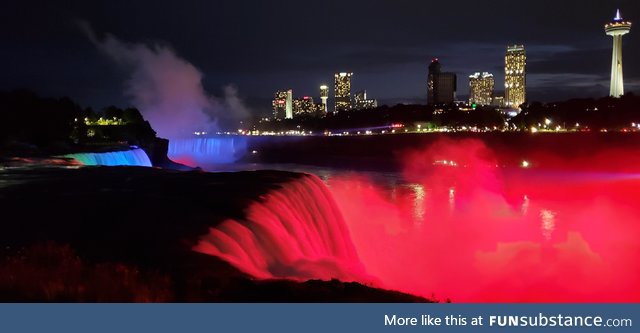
264, 46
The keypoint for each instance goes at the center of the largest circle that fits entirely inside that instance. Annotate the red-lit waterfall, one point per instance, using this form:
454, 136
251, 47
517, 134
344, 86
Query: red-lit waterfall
469, 229
294, 232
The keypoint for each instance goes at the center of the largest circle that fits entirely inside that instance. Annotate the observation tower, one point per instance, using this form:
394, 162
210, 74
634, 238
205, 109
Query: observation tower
616, 29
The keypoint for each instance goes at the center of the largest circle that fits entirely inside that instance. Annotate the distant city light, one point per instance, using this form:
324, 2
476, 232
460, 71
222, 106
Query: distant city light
480, 89
515, 77
524, 164
343, 91
445, 162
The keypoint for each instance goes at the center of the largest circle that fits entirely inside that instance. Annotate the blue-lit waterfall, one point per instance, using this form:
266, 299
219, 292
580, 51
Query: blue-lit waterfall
206, 151
133, 157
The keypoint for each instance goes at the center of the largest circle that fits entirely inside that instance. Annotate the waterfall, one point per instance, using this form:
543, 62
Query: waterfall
207, 151
133, 157
295, 232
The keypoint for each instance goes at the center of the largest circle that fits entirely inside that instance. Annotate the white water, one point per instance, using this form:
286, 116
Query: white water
295, 232
133, 157
209, 150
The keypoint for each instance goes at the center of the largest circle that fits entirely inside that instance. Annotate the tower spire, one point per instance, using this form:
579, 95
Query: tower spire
618, 17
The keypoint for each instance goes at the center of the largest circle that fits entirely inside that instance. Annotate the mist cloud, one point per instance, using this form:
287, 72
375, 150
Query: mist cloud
167, 88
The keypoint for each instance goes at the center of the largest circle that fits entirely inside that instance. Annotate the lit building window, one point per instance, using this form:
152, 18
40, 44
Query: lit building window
481, 88
343, 91
515, 76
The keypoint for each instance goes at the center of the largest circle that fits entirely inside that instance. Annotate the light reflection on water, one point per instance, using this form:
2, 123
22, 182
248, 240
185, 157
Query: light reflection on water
525, 205
519, 236
396, 190
548, 225
419, 195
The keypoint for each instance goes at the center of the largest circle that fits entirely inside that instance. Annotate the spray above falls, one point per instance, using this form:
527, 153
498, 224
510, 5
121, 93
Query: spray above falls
168, 89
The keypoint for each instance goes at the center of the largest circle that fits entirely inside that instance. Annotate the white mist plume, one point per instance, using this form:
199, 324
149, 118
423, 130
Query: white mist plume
168, 89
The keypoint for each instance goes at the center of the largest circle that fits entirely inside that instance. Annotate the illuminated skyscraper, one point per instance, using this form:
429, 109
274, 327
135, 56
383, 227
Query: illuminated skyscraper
283, 104
343, 91
617, 29
324, 95
515, 78
481, 88
304, 106
441, 86
360, 101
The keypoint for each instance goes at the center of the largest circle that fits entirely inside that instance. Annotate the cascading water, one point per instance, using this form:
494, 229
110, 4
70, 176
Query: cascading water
207, 151
295, 232
133, 157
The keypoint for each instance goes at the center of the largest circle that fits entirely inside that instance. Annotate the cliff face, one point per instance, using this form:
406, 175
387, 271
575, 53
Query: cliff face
157, 151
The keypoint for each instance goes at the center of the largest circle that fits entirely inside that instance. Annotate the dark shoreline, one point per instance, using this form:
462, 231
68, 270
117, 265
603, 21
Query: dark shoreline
385, 152
69, 233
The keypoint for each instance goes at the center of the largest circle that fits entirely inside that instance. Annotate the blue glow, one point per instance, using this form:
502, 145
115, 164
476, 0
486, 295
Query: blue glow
134, 157
209, 150
618, 17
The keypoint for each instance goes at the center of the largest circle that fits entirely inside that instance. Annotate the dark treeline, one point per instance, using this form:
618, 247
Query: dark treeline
31, 122
386, 116
604, 113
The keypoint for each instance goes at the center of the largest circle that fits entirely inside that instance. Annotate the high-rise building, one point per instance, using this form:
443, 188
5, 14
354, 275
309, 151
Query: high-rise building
343, 91
481, 88
617, 29
324, 95
360, 101
515, 79
304, 107
283, 104
441, 86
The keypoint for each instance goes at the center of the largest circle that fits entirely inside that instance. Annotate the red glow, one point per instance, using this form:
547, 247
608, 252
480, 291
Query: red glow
564, 229
185, 160
296, 232
479, 233
397, 125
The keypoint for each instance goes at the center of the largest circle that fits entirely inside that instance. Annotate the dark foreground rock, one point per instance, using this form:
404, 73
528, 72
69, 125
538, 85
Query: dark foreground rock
124, 234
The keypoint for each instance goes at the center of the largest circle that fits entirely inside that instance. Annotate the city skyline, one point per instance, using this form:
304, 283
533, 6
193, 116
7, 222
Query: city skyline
51, 55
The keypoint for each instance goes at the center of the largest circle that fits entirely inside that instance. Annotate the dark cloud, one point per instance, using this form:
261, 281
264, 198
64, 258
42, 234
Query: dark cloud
262, 46
578, 61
